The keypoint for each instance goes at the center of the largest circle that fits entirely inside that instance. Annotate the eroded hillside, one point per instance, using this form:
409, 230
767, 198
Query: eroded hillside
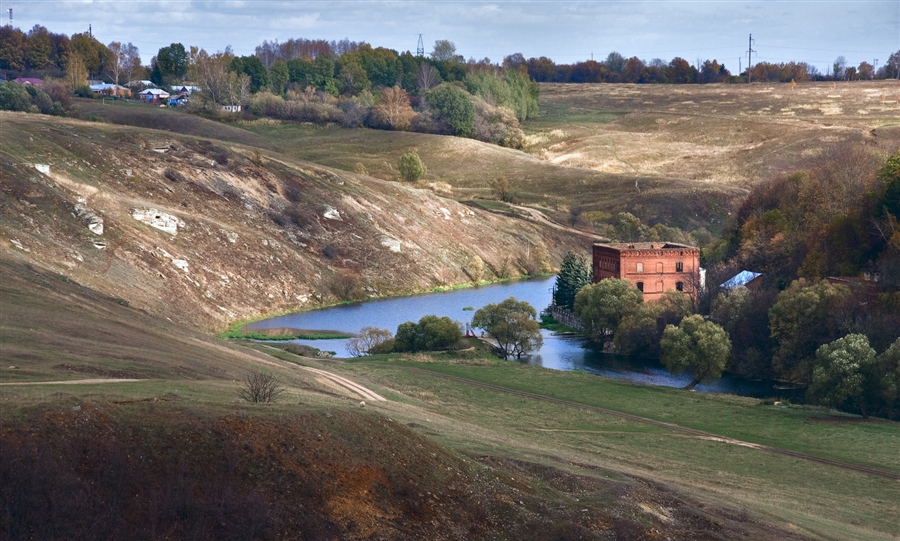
207, 233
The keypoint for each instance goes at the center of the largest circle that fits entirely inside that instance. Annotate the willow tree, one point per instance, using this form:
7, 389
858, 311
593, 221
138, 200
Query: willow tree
697, 346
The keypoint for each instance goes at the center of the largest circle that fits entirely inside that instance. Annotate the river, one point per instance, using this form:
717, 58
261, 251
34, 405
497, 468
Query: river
558, 352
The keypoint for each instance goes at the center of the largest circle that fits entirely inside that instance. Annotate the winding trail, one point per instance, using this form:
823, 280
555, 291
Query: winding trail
672, 426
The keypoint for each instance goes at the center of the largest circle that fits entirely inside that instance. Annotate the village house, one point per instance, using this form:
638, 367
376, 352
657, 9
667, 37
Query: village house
154, 95
653, 267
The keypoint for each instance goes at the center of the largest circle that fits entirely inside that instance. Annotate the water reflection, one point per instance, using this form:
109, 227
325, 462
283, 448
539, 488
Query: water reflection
557, 353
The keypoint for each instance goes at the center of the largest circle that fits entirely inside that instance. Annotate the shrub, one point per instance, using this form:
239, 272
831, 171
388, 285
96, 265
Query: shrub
454, 108
411, 167
261, 388
429, 334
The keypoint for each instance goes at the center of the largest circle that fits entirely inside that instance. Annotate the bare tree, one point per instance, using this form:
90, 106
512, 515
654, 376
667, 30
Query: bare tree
261, 388
427, 76
368, 338
123, 59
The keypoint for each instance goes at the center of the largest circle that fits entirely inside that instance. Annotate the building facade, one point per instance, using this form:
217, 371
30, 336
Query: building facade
653, 267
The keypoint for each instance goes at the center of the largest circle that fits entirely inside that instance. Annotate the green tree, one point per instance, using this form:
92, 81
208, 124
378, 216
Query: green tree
512, 324
253, 67
697, 346
845, 374
454, 108
890, 364
445, 51
429, 334
801, 320
171, 64
628, 227
411, 167
601, 306
574, 274
352, 76
38, 48
278, 77
639, 331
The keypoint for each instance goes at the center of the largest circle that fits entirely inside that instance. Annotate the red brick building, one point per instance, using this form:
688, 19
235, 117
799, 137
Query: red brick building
654, 267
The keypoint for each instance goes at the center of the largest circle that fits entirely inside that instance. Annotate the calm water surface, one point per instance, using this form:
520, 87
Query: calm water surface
558, 352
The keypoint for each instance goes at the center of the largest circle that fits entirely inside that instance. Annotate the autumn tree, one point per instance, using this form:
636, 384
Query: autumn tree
12, 48
411, 167
393, 109
220, 85
697, 346
93, 53
76, 73
123, 59
501, 189
601, 306
475, 268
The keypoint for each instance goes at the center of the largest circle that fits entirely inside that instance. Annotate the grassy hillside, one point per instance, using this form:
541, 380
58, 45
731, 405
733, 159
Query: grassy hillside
253, 232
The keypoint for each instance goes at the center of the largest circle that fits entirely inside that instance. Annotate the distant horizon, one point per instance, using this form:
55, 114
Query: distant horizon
815, 32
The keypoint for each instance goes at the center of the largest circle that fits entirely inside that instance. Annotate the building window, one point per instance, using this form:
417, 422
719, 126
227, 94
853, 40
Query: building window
640, 267
640, 286
679, 286
679, 267
659, 287
659, 268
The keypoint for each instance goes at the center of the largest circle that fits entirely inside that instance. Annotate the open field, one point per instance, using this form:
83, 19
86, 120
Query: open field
735, 135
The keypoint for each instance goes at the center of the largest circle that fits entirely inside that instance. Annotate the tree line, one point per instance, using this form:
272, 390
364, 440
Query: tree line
617, 69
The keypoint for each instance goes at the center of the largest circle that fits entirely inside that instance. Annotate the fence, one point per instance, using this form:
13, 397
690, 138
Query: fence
566, 317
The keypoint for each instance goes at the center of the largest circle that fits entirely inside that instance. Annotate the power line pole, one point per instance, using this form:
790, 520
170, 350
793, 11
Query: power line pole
749, 62
420, 50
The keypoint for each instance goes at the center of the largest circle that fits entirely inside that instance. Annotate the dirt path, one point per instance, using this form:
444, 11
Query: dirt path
75, 381
351, 386
688, 431
541, 218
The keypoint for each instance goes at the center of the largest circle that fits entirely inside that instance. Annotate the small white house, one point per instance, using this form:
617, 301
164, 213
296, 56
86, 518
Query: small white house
232, 108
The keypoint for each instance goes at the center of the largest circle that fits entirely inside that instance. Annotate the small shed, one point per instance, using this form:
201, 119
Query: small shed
232, 108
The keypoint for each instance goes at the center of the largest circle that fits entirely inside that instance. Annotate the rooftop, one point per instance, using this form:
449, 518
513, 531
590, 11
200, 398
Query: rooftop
622, 246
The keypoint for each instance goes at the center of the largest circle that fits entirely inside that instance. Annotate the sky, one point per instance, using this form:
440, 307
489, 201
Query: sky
813, 31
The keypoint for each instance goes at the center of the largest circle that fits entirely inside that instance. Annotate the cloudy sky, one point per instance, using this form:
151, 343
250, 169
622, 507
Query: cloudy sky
813, 31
